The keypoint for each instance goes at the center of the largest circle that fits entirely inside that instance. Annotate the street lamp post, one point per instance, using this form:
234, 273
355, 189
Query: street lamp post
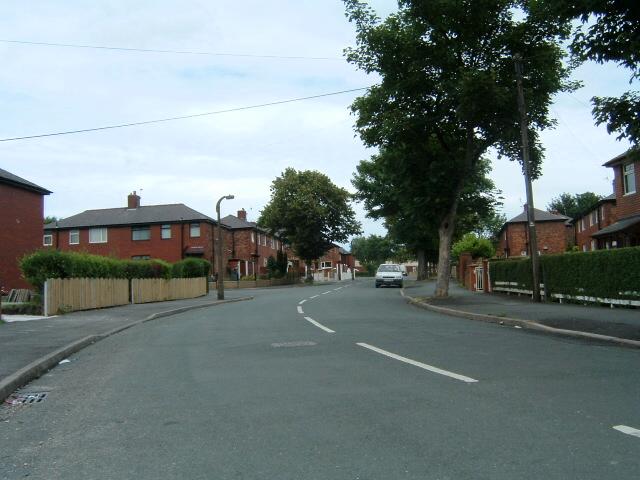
220, 250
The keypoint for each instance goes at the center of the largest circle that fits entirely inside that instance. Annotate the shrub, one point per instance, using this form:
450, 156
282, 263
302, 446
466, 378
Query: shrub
191, 268
476, 246
37, 267
602, 274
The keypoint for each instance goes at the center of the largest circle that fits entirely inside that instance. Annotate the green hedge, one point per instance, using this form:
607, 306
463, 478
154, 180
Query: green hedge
613, 274
37, 267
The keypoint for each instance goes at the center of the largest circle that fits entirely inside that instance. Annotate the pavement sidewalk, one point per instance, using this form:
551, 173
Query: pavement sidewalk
592, 321
27, 349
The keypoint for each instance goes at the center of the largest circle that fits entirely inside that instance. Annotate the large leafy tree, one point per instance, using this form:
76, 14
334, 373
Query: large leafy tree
309, 212
447, 94
573, 205
608, 31
373, 250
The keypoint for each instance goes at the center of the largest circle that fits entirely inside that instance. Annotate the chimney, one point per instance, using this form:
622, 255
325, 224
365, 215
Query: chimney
133, 200
242, 214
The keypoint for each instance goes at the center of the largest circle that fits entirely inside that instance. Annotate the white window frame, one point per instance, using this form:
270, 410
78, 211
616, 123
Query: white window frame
74, 232
326, 264
264, 240
629, 178
582, 224
602, 213
593, 218
192, 226
253, 237
164, 229
104, 236
48, 243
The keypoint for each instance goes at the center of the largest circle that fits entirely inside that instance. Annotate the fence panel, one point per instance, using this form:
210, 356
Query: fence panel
73, 294
146, 290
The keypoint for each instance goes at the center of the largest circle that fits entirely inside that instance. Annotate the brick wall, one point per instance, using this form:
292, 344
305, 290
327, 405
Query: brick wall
20, 233
606, 216
552, 238
120, 244
626, 205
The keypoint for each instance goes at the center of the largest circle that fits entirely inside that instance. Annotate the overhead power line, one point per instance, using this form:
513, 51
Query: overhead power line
181, 117
180, 52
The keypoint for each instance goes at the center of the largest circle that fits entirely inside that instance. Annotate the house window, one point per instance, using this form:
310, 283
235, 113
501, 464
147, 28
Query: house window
582, 227
253, 237
594, 245
141, 233
74, 237
593, 218
165, 232
47, 240
194, 232
273, 243
629, 179
325, 264
97, 235
264, 240
602, 212
140, 257
264, 261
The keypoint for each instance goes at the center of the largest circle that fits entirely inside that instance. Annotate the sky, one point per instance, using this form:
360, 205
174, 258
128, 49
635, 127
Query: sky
195, 161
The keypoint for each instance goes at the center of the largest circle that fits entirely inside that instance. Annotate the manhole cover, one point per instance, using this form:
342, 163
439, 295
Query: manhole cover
26, 398
293, 344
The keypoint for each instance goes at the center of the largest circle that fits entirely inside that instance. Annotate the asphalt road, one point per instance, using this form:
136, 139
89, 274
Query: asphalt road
326, 382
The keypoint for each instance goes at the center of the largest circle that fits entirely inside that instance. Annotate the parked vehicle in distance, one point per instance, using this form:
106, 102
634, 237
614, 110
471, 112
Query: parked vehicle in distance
389, 274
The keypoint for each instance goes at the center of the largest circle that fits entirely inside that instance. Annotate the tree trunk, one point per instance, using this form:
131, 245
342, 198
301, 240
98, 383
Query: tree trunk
309, 271
422, 265
445, 235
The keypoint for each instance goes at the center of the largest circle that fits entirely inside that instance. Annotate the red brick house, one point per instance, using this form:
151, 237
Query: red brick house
248, 246
166, 232
625, 231
22, 207
600, 215
551, 230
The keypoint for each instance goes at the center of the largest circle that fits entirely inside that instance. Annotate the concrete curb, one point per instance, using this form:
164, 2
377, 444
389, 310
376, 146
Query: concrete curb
527, 324
35, 369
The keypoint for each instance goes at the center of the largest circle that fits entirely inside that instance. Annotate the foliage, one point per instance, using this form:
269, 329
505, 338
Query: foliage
573, 205
277, 266
51, 219
476, 246
613, 274
27, 308
373, 249
609, 31
447, 94
489, 226
192, 268
309, 212
37, 267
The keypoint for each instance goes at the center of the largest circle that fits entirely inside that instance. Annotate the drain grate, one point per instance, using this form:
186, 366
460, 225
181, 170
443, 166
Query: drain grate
26, 398
293, 344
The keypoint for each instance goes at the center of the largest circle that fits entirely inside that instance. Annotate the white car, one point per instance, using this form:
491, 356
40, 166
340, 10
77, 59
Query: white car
389, 274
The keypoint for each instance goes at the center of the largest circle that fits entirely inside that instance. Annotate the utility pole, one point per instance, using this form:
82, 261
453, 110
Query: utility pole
220, 250
526, 164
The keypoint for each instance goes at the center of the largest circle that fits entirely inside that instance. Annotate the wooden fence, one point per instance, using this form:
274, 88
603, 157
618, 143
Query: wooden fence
145, 290
71, 294
63, 295
233, 284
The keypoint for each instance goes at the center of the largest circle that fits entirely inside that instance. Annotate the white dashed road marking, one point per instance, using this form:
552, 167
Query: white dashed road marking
319, 325
628, 430
301, 302
424, 366
300, 310
324, 293
315, 296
